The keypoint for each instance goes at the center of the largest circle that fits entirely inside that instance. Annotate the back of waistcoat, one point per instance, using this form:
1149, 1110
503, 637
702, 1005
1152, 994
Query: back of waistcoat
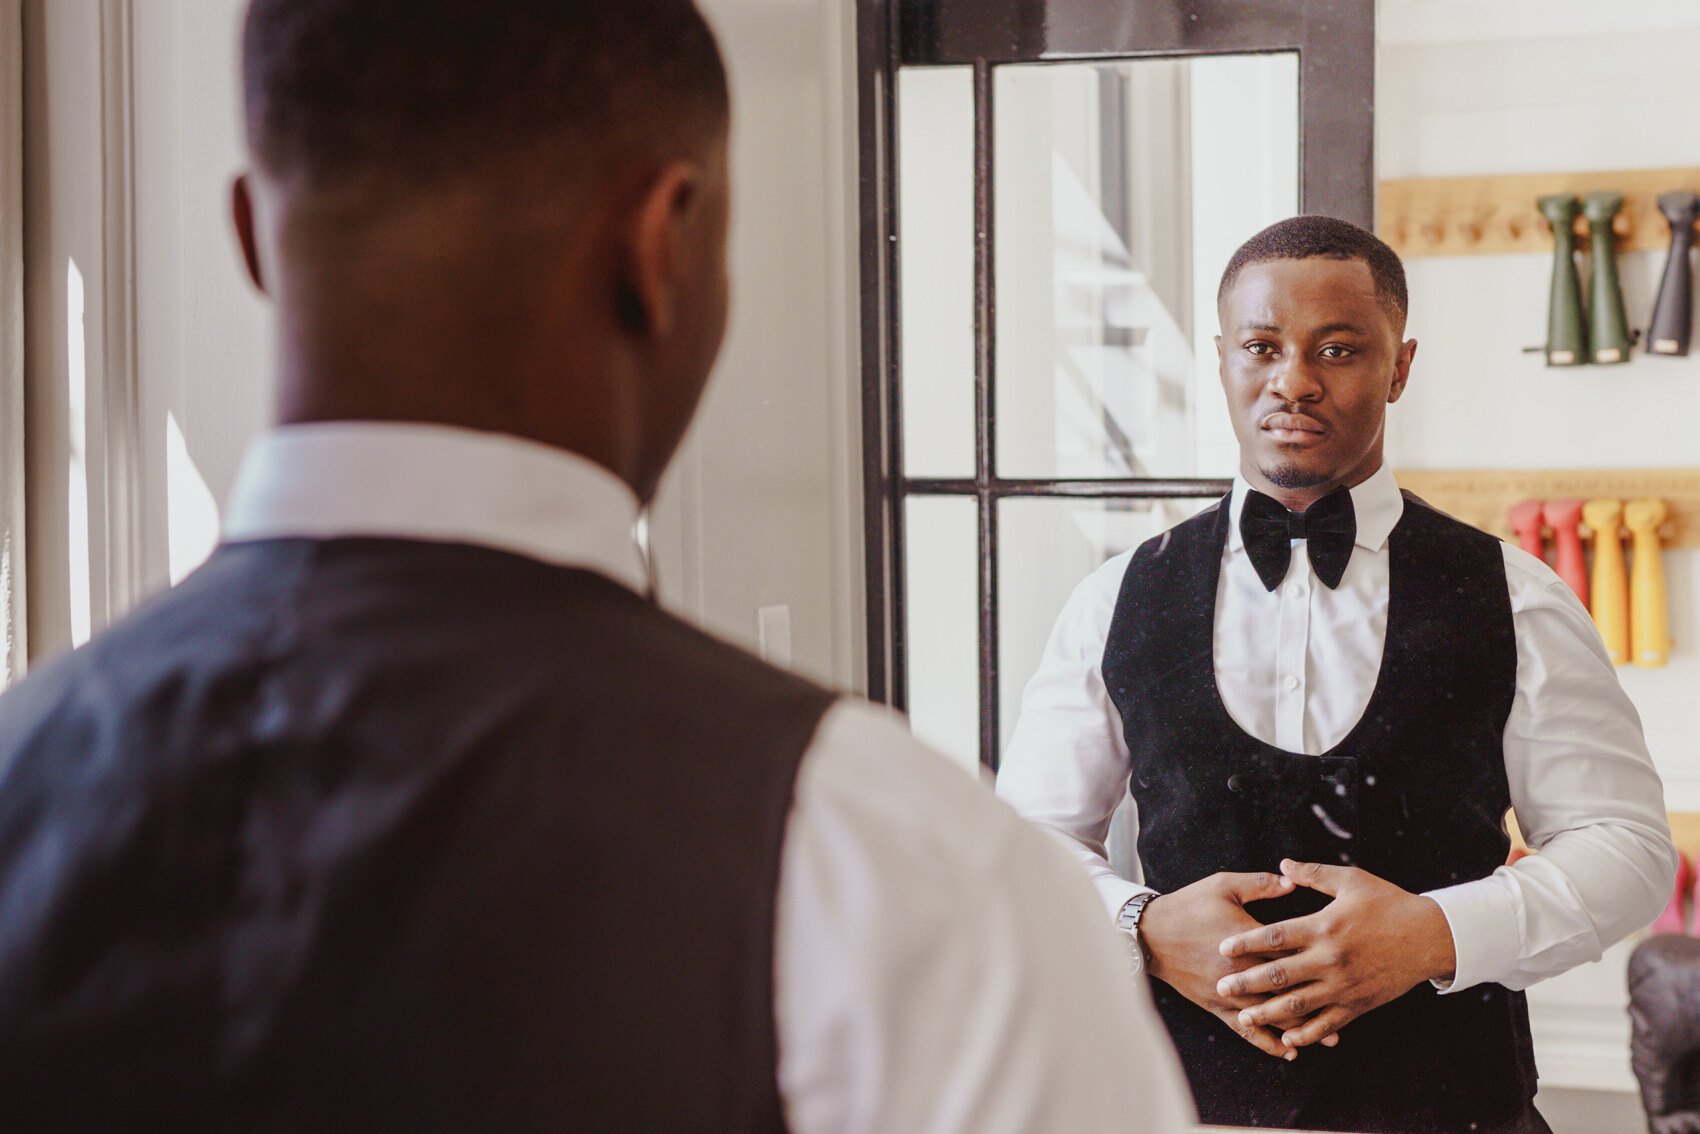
1415, 794
387, 835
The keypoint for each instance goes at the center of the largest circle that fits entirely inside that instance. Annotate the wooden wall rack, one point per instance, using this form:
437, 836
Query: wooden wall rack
1483, 498
1685, 832
1484, 216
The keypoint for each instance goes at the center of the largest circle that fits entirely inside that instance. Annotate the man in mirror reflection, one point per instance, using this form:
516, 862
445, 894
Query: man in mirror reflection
410, 810
1323, 695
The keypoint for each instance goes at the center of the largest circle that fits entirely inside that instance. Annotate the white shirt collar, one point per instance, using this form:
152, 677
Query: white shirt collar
438, 484
1377, 502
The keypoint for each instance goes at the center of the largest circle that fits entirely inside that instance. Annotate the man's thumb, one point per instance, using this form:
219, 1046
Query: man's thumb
1257, 887
1315, 876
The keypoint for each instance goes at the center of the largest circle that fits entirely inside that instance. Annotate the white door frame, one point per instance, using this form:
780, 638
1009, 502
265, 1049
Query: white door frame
77, 64
13, 644
121, 389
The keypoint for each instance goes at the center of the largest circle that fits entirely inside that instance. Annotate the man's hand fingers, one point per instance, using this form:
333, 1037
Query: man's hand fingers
1261, 1038
1282, 937
1287, 1010
1285, 1026
1276, 976
1257, 887
1320, 1028
1317, 876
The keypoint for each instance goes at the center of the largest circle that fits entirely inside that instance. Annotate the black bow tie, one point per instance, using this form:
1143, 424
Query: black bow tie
1329, 530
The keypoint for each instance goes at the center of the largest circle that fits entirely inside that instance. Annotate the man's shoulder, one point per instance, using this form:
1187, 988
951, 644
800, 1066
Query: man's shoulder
1201, 526
1419, 512
667, 651
1535, 586
316, 611
924, 898
868, 776
101, 673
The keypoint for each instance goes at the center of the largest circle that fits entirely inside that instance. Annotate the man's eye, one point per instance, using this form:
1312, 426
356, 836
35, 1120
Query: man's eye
1336, 351
1260, 348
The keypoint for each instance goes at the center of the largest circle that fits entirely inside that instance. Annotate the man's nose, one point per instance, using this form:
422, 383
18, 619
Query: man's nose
1295, 380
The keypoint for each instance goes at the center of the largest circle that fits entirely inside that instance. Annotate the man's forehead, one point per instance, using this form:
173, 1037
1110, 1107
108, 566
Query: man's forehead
1318, 289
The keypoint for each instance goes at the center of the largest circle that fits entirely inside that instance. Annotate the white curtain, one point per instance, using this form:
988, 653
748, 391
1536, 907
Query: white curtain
12, 646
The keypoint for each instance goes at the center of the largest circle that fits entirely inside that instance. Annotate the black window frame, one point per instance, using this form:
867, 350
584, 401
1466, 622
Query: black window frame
1335, 44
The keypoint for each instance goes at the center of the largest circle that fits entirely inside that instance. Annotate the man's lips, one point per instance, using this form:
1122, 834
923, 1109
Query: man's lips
1294, 428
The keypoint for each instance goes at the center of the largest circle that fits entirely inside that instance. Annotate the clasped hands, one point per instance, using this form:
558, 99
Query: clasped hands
1295, 983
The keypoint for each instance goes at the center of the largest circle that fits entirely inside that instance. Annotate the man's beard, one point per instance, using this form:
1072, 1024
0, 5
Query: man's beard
1293, 477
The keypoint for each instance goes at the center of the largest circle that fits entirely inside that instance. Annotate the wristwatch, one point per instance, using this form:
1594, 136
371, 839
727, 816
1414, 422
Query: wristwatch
1128, 923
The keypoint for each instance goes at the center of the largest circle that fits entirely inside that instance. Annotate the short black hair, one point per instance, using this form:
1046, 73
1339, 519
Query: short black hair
1301, 238
415, 92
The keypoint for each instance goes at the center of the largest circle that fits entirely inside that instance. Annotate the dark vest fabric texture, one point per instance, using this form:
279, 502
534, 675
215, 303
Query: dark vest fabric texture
1416, 793
388, 835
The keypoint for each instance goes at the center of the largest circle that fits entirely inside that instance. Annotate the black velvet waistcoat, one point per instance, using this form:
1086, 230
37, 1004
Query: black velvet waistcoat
1416, 793
380, 835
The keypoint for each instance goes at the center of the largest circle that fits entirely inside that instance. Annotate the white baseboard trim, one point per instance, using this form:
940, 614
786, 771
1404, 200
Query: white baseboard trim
1581, 1047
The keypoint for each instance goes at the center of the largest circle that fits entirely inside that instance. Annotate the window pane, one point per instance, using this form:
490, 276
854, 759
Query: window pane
1121, 191
936, 234
943, 585
1045, 548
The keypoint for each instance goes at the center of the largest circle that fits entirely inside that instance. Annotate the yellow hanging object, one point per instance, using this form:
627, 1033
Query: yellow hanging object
1649, 620
1609, 590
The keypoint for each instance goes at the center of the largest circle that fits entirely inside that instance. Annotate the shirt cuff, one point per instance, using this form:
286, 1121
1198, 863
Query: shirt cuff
1118, 892
1485, 936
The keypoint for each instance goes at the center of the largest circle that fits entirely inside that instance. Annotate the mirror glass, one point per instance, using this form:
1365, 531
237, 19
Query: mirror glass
935, 216
942, 619
1046, 546
1121, 190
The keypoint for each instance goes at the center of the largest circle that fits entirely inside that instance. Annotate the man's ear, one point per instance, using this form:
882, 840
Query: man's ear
656, 249
242, 211
1402, 370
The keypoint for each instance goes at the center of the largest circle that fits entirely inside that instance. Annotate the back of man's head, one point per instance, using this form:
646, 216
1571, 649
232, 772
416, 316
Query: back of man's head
403, 95
503, 216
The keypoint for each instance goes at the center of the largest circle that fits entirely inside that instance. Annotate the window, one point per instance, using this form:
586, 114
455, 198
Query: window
1052, 191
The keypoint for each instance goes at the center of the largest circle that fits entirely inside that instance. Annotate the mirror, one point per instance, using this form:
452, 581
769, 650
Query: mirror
1120, 190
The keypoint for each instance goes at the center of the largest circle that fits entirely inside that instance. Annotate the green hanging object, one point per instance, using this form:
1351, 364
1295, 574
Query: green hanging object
1610, 329
1567, 326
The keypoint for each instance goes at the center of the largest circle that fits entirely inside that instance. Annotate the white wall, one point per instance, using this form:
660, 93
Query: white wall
1510, 87
204, 340
762, 508
1595, 98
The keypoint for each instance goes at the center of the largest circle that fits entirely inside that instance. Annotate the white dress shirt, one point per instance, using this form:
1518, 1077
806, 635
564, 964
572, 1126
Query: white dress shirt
1296, 667
939, 966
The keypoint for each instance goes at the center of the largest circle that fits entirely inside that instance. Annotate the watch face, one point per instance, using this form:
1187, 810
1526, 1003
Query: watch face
1135, 954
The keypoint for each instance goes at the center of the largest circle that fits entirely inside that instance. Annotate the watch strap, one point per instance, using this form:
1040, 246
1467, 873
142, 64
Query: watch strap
1132, 911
